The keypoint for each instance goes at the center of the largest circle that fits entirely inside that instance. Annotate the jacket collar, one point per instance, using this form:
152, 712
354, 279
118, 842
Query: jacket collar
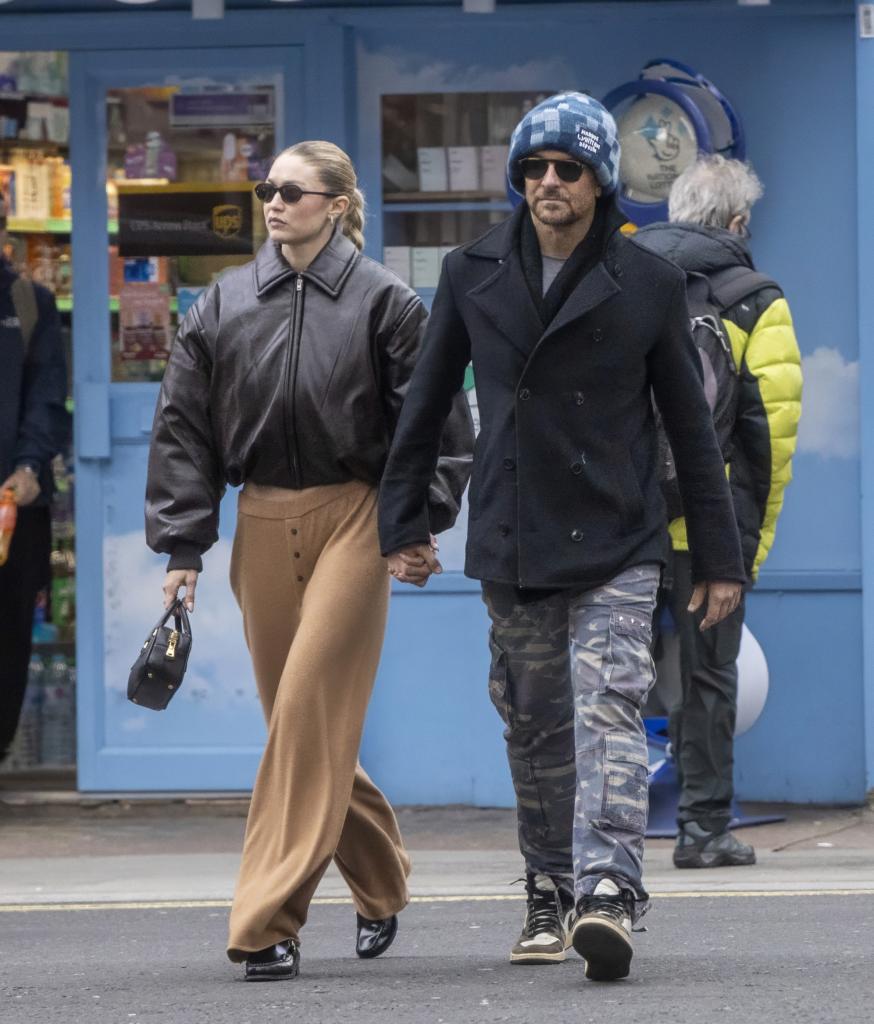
329, 270
694, 247
506, 300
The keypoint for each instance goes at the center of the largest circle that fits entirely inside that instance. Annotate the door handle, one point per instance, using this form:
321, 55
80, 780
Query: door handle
92, 420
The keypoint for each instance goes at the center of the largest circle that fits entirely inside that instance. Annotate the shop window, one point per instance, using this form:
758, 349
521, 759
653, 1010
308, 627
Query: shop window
35, 186
443, 174
181, 165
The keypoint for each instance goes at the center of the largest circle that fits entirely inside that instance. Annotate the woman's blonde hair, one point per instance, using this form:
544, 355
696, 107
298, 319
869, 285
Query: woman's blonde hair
337, 175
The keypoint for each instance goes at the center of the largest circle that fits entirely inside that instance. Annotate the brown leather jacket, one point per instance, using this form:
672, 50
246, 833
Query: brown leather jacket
290, 380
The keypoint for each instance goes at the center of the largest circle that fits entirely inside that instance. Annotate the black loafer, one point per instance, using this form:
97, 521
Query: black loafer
374, 937
275, 963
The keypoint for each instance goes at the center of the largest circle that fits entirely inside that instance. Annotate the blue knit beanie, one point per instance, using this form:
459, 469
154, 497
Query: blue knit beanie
577, 125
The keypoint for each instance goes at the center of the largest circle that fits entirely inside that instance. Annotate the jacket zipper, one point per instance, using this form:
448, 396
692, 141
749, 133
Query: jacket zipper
292, 452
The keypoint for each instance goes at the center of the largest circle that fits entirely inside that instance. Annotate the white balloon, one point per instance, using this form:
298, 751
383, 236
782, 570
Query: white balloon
752, 682
658, 143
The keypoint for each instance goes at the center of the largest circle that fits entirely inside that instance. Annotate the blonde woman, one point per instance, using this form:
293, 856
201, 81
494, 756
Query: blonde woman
287, 376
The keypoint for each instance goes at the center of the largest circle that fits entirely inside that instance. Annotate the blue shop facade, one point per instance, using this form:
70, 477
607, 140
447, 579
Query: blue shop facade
423, 97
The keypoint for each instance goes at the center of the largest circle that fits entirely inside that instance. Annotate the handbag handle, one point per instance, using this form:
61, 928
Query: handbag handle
180, 616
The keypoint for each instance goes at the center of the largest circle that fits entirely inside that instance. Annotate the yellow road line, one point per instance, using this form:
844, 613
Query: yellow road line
30, 908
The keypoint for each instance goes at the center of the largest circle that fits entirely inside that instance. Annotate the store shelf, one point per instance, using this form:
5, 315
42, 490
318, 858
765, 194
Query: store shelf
49, 226
441, 207
65, 304
489, 199
47, 144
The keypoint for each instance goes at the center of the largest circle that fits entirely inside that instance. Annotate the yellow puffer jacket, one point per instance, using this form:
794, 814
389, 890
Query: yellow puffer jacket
768, 414
766, 352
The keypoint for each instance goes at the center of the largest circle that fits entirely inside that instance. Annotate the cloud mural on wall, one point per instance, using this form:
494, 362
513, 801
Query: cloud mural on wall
218, 694
830, 407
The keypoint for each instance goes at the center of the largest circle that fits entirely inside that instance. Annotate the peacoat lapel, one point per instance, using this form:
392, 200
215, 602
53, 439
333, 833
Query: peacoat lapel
503, 296
596, 287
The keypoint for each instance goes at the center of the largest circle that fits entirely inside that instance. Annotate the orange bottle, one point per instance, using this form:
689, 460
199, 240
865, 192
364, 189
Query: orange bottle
8, 516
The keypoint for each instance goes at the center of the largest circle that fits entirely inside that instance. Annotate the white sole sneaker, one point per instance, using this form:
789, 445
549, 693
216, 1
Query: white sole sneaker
605, 946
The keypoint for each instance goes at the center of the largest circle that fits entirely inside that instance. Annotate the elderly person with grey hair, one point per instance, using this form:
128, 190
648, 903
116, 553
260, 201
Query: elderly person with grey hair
709, 209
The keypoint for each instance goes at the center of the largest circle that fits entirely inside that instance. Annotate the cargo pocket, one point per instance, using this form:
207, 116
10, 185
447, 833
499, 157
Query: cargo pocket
499, 690
629, 669
626, 790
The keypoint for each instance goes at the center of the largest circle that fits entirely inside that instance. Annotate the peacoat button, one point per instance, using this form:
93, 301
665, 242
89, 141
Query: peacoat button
503, 529
579, 397
576, 468
509, 464
576, 535
617, 270
524, 394
597, 334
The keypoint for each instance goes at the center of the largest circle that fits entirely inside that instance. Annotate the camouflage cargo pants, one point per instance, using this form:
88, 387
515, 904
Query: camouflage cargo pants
568, 675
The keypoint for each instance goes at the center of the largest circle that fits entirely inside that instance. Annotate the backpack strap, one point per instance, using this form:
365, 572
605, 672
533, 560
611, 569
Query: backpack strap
24, 302
730, 286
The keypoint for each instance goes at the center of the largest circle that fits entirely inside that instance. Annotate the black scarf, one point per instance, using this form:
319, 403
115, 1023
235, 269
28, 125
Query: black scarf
583, 259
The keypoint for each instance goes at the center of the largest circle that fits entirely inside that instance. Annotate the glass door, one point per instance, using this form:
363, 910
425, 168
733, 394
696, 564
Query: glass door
177, 140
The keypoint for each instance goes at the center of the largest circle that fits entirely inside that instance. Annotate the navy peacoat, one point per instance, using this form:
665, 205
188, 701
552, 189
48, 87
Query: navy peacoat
565, 489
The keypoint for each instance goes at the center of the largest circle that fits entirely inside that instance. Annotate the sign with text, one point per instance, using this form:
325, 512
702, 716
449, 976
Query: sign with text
184, 220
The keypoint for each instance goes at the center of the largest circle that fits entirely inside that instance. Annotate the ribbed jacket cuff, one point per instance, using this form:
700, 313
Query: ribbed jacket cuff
186, 556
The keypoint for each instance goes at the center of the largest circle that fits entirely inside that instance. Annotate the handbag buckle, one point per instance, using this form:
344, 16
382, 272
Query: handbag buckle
171, 644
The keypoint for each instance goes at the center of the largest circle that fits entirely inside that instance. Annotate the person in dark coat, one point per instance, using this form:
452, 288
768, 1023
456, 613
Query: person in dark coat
34, 427
572, 329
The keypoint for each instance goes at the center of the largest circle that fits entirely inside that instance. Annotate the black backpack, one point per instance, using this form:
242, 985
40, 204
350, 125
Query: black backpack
709, 297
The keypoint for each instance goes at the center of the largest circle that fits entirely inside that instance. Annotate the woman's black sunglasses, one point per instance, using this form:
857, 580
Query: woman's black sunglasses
534, 168
289, 193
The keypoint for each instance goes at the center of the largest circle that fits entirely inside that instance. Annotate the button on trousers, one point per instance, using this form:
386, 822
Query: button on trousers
307, 573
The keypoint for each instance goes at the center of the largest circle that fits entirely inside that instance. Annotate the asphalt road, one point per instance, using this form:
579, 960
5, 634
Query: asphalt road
746, 959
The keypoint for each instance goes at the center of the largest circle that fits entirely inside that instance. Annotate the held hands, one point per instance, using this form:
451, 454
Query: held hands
175, 579
25, 484
722, 599
415, 563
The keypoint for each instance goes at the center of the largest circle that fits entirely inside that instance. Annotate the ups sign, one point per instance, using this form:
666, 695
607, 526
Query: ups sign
227, 220
180, 220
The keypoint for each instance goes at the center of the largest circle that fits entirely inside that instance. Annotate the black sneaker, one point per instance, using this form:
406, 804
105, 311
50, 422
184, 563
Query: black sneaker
602, 932
698, 848
546, 933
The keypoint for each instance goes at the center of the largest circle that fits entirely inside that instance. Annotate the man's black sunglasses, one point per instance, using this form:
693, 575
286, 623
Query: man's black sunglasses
534, 168
289, 193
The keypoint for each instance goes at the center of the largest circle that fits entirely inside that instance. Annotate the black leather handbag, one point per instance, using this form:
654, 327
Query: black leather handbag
157, 673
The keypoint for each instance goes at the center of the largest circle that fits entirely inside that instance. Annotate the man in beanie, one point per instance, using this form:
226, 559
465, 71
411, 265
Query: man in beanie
571, 327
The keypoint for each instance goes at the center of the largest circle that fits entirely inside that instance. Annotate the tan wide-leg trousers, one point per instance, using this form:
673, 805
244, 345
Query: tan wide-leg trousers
308, 576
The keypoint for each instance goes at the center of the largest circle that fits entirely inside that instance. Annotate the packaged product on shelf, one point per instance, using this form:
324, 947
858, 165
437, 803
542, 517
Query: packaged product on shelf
61, 181
25, 749
116, 271
32, 185
144, 321
153, 158
397, 259
493, 169
7, 188
463, 169
426, 266
433, 172
57, 734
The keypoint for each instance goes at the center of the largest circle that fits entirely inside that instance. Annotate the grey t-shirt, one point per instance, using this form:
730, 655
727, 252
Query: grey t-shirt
551, 270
